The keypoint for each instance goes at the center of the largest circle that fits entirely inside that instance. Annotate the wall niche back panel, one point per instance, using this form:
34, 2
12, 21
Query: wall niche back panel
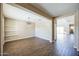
18, 29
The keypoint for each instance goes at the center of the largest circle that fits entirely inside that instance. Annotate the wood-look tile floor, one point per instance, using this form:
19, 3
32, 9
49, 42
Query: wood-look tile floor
38, 47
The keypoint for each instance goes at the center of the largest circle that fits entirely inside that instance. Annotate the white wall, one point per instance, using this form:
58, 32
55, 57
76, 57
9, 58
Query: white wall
25, 29
43, 29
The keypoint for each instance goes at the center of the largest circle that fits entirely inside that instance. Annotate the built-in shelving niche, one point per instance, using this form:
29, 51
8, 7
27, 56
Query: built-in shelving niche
9, 28
13, 31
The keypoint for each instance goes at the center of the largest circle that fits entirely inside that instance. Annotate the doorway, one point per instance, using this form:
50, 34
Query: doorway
65, 35
65, 27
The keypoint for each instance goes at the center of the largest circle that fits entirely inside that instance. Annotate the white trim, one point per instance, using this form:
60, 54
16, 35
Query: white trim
50, 41
45, 39
18, 39
42, 38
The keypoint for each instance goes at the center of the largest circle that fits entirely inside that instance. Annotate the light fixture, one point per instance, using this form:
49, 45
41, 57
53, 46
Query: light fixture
28, 21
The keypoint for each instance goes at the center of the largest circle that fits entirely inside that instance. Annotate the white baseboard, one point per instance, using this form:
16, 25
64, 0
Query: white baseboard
52, 41
28, 37
18, 39
42, 38
46, 39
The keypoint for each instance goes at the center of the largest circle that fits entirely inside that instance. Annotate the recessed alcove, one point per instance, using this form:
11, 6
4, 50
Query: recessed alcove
15, 29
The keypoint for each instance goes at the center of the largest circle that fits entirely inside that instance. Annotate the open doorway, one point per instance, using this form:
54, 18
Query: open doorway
71, 28
65, 35
65, 27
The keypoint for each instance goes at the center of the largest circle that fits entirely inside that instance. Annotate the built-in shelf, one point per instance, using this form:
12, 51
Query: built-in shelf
10, 31
7, 26
10, 36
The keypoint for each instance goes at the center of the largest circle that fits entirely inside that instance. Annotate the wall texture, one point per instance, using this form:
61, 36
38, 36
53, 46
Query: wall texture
15, 29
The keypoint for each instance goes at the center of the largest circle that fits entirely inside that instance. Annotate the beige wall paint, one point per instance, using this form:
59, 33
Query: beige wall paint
77, 30
17, 29
0, 28
55, 29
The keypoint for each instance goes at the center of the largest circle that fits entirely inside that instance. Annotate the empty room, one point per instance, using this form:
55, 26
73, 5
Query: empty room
39, 29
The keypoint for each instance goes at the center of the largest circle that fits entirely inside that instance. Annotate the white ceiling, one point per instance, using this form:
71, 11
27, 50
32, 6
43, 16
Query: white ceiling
57, 9
16, 13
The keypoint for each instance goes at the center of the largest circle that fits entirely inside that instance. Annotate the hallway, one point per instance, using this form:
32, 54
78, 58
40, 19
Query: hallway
64, 46
39, 47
